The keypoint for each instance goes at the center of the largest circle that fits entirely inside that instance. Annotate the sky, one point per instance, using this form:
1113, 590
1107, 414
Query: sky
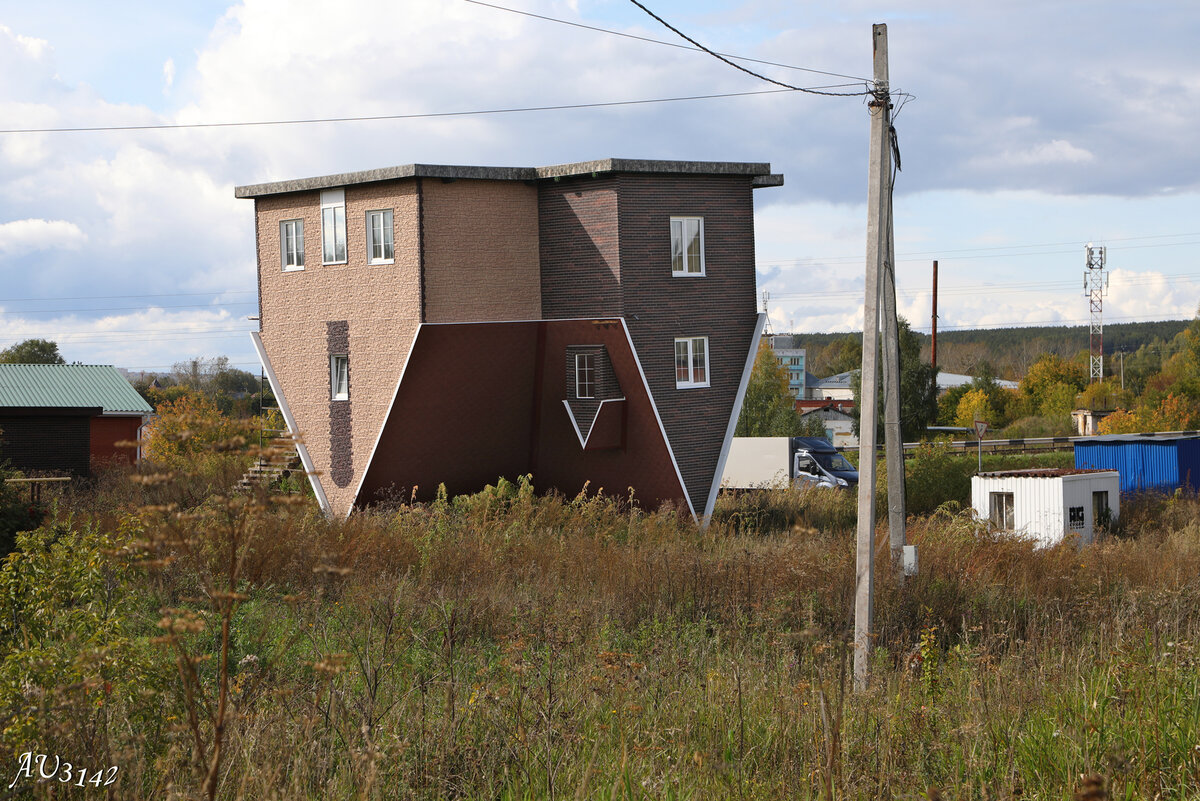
1026, 130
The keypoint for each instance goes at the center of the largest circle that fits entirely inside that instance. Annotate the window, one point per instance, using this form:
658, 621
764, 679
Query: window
1101, 511
1001, 510
585, 375
691, 362
333, 226
291, 244
339, 377
687, 246
379, 237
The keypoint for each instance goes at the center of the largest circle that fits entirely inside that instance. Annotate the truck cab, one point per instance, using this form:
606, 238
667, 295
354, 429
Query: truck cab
816, 462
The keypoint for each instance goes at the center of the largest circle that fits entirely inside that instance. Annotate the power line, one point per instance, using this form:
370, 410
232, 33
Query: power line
910, 257
139, 308
380, 117
160, 295
667, 44
719, 57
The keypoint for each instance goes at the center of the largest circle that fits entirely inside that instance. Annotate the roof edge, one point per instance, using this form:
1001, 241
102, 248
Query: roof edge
759, 173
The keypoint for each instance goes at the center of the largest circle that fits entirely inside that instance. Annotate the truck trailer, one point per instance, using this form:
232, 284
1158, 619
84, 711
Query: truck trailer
779, 462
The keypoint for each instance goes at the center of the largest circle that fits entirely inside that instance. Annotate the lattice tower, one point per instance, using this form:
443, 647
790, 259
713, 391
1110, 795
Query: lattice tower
1095, 286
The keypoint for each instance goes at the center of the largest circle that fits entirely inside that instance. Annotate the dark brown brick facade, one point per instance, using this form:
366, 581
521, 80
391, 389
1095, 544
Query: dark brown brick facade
585, 219
46, 443
341, 452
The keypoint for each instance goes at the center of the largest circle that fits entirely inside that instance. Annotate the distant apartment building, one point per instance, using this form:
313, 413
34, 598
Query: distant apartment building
792, 359
589, 324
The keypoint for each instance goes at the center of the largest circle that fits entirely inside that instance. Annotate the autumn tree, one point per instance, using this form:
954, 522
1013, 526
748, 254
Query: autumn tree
768, 410
918, 389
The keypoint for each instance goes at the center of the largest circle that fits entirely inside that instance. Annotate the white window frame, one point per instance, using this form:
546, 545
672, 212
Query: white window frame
333, 225
690, 352
339, 376
386, 246
679, 235
291, 259
1001, 507
580, 369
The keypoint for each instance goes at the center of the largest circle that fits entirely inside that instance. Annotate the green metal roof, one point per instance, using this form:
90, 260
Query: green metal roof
69, 385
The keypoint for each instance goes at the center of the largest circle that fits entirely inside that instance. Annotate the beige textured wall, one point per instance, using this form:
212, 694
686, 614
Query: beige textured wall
481, 251
381, 304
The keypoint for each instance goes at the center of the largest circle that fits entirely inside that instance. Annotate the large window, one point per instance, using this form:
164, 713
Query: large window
379, 237
687, 246
691, 362
291, 244
333, 226
585, 375
339, 377
1001, 510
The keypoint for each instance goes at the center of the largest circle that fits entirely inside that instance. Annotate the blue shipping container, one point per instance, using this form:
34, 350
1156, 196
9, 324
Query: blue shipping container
1163, 465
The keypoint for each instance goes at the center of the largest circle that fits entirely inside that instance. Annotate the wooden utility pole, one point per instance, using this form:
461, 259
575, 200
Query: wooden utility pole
933, 353
878, 198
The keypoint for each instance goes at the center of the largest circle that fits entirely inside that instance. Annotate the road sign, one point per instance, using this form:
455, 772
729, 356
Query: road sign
980, 428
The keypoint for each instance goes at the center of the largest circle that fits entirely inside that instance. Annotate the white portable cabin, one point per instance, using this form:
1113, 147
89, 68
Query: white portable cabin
1047, 504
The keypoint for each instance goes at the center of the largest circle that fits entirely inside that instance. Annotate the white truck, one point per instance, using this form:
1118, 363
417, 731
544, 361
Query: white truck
779, 462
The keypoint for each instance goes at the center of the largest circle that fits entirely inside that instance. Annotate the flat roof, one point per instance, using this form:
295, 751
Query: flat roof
1043, 472
760, 174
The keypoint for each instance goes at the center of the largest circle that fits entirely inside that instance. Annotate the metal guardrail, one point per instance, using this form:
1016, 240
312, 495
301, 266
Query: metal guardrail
1030, 444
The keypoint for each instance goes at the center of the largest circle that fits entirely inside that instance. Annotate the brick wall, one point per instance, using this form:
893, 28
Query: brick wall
659, 307
481, 251
381, 302
46, 443
581, 265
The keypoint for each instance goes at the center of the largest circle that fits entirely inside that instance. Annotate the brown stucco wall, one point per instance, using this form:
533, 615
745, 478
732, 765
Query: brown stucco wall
481, 251
379, 302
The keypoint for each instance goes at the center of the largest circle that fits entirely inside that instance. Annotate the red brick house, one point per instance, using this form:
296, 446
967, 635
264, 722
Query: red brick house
67, 418
592, 322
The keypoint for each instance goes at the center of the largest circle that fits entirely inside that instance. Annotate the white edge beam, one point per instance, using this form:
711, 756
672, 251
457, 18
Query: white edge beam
583, 439
733, 419
412, 346
305, 460
658, 419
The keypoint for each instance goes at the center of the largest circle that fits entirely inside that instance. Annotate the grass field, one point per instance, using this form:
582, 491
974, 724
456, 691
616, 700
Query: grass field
511, 646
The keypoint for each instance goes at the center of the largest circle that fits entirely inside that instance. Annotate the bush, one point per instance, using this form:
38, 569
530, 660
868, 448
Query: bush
17, 513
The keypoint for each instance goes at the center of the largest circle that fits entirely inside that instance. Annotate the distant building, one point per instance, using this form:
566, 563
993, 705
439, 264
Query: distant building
67, 418
793, 359
1087, 421
837, 418
947, 381
1144, 461
1047, 504
835, 387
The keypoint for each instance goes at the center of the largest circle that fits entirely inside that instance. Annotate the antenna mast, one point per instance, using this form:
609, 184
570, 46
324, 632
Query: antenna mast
1095, 285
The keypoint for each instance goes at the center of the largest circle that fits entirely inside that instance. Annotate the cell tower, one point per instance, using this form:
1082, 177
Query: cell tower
1095, 285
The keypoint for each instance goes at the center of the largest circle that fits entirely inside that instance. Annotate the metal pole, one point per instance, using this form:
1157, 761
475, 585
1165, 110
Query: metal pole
879, 168
933, 347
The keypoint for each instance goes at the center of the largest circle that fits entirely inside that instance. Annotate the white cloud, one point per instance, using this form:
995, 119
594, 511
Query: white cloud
21, 237
168, 75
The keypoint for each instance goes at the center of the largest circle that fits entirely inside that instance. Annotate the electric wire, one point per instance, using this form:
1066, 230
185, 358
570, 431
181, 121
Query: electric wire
415, 116
866, 91
855, 78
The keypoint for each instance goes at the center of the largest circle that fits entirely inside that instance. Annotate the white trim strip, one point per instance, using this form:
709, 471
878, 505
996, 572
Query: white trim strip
412, 346
583, 440
733, 419
313, 478
661, 429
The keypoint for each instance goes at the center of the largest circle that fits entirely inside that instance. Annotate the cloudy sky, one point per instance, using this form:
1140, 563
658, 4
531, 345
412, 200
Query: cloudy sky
1032, 129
